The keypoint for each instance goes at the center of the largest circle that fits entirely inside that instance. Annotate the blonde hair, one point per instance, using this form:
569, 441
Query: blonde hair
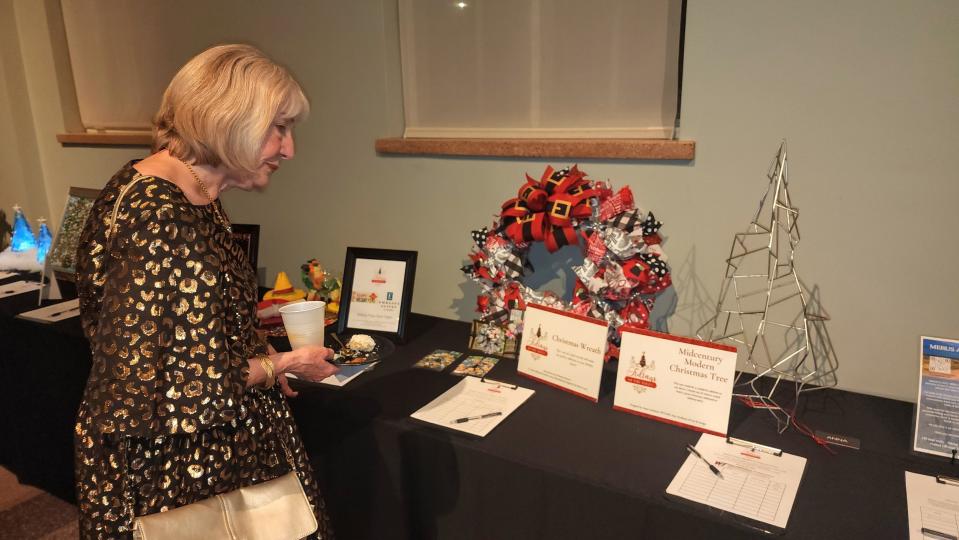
221, 105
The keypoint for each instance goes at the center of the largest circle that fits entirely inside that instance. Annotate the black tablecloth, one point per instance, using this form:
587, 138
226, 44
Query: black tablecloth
43, 369
559, 467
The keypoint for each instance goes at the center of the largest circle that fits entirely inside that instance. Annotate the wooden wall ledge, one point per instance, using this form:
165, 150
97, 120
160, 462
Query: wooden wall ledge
107, 139
661, 149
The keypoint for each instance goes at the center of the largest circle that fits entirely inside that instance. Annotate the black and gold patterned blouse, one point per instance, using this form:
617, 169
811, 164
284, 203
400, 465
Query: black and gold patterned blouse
167, 302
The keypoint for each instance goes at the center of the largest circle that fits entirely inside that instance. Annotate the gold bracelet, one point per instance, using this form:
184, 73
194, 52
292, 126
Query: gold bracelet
268, 369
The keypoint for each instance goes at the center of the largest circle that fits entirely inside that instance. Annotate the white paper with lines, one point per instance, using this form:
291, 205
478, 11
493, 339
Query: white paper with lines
470, 398
54, 312
932, 506
18, 287
757, 485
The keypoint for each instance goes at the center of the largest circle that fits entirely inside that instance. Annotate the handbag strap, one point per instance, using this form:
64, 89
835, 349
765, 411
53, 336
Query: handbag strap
128, 506
112, 226
124, 446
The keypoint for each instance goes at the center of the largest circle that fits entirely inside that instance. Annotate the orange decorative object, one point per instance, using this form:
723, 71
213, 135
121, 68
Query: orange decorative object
283, 290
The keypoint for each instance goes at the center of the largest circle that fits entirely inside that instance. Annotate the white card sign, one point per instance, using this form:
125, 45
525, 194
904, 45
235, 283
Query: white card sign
677, 380
563, 349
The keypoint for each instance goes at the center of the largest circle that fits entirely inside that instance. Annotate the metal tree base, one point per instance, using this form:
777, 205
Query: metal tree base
767, 312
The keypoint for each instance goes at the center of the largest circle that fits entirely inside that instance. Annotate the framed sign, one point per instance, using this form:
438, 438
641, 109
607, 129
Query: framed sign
936, 421
248, 237
63, 253
377, 291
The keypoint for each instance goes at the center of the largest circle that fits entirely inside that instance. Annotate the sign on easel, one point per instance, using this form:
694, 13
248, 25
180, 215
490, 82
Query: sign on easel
50, 287
563, 349
937, 406
677, 380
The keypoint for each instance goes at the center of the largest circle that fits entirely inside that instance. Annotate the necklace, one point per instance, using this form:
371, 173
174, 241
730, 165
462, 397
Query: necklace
220, 218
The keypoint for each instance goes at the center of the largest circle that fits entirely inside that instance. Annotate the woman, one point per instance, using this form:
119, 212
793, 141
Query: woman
181, 403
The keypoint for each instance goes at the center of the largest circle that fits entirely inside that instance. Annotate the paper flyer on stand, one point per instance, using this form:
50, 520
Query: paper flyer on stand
563, 349
376, 296
677, 380
937, 407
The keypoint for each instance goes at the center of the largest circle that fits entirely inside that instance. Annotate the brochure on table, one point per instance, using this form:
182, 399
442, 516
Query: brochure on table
932, 505
345, 375
751, 481
677, 380
937, 407
563, 349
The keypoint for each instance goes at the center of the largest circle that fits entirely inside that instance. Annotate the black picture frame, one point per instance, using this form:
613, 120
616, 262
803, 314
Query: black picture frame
247, 236
62, 255
363, 256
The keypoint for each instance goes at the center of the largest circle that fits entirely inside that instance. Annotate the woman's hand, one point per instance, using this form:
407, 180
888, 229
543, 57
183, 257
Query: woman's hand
308, 363
281, 379
285, 386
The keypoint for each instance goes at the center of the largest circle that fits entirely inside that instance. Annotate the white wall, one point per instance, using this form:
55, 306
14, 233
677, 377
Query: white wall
20, 177
865, 92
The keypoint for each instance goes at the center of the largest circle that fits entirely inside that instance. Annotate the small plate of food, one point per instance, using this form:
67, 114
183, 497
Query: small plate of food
356, 349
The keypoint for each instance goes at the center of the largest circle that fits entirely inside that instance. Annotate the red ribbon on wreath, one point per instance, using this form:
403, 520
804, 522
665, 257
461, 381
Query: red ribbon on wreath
477, 268
616, 204
513, 298
544, 210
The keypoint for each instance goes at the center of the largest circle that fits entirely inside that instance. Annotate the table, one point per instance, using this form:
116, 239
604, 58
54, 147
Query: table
559, 467
43, 369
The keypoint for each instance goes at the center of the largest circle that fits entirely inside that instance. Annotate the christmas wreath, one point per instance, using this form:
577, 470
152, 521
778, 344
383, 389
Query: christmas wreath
624, 265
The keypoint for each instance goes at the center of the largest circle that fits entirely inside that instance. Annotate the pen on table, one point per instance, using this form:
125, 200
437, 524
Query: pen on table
936, 534
468, 418
57, 314
700, 456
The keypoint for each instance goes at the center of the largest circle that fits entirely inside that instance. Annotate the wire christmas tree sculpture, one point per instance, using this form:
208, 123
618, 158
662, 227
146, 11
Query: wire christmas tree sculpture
765, 310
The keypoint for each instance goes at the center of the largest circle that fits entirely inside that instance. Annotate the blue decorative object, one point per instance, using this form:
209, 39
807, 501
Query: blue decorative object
23, 238
44, 241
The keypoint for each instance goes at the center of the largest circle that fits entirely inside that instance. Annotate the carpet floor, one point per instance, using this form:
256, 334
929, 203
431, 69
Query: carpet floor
28, 513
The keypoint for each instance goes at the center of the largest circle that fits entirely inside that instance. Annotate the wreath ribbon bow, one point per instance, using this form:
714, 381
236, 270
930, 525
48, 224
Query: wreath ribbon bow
544, 210
624, 266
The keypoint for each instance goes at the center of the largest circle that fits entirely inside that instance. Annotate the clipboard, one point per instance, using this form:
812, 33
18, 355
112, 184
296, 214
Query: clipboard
53, 313
474, 406
933, 533
751, 484
499, 384
19, 287
755, 447
743, 522
928, 506
947, 480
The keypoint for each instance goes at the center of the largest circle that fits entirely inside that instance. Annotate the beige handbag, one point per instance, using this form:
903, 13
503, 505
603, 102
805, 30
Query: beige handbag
274, 510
